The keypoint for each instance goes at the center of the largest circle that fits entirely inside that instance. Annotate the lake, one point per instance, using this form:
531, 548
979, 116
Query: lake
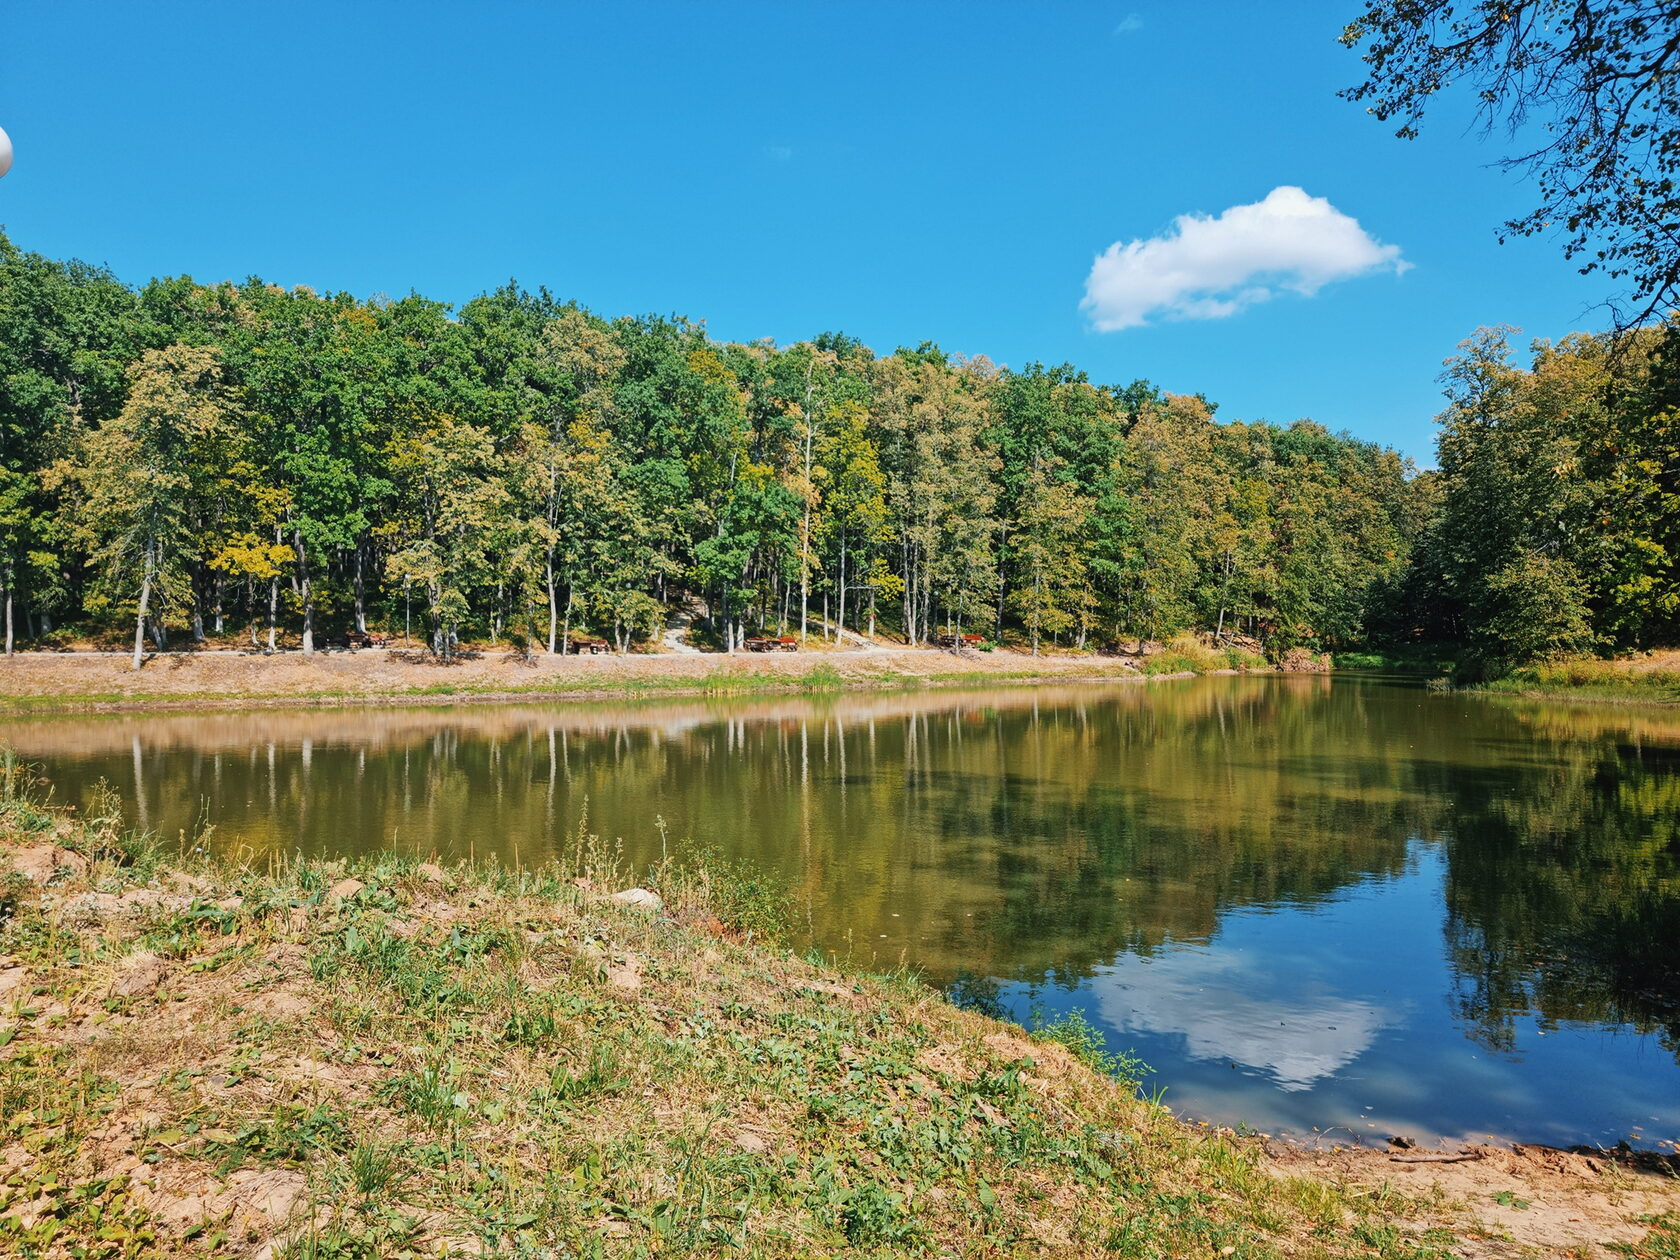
1349, 907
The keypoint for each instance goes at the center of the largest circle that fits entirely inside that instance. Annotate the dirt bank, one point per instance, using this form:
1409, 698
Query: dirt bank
1527, 1200
209, 679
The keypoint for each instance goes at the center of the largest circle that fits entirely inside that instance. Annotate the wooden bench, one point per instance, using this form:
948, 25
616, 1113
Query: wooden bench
764, 643
956, 640
578, 644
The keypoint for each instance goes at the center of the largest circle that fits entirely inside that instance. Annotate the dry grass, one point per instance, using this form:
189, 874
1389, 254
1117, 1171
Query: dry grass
1643, 678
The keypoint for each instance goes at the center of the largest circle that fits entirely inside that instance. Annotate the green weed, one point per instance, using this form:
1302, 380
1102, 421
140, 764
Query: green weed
1073, 1031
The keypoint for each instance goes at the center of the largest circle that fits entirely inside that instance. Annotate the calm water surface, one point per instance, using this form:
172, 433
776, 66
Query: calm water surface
1360, 906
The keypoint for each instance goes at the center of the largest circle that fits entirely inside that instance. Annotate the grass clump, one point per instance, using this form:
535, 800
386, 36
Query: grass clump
1190, 654
1085, 1041
1662, 1243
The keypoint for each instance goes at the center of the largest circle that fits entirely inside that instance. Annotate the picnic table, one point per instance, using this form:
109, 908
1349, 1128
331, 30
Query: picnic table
956, 640
578, 644
764, 643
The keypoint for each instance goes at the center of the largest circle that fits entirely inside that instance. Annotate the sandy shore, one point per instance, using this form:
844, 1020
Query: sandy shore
102, 681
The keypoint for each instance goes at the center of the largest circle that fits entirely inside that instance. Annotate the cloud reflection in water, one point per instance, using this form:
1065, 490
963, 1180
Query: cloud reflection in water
1228, 1008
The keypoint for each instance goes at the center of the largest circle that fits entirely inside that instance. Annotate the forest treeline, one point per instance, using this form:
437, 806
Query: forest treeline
198, 460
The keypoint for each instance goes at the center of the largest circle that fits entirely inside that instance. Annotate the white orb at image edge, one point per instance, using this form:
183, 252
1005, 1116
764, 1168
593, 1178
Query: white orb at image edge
5, 151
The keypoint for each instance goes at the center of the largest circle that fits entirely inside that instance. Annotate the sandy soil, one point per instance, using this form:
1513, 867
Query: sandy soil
1526, 1199
198, 679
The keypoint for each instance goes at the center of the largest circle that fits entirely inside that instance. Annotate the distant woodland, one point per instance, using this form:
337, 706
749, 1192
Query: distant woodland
183, 461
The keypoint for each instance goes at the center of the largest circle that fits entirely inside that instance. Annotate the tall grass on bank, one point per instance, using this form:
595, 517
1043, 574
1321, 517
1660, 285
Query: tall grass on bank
1188, 654
1627, 680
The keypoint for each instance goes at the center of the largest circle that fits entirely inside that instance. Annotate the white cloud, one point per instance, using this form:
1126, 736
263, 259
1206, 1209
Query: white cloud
1128, 24
1209, 267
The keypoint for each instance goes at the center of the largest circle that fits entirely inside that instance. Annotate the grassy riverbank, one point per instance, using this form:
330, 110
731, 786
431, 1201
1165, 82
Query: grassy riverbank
1645, 678
1648, 678
396, 1059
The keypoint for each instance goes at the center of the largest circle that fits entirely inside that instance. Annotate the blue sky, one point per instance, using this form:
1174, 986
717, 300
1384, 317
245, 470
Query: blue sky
901, 172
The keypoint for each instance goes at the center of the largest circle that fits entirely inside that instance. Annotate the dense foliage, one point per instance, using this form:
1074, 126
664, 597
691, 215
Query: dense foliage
241, 459
192, 459
1554, 517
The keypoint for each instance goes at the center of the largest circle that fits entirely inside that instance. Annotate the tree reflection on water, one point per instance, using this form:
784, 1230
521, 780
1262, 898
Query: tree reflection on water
1019, 836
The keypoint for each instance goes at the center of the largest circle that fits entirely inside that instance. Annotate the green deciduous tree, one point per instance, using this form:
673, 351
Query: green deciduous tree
448, 472
147, 470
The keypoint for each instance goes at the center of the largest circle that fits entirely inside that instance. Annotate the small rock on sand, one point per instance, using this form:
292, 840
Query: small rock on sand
640, 899
137, 975
263, 1201
430, 872
345, 889
626, 975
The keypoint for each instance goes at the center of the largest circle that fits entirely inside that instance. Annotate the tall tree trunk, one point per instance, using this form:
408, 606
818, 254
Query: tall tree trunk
273, 611
913, 604
1003, 585
840, 599
306, 593
361, 587
553, 605
440, 637
145, 605
8, 619
1038, 603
